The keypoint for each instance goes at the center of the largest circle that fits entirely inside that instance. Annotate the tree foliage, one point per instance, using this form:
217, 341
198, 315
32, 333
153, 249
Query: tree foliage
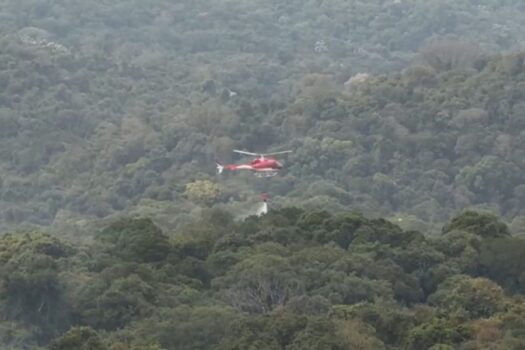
338, 281
136, 240
113, 114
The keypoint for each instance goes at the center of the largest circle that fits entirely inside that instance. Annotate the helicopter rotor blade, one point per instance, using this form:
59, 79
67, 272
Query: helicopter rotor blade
260, 154
275, 153
248, 153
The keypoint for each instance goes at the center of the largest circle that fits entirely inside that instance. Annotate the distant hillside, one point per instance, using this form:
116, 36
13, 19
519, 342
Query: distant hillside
111, 108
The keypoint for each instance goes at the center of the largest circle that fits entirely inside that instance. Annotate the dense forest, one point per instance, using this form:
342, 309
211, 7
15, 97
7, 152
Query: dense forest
291, 279
396, 223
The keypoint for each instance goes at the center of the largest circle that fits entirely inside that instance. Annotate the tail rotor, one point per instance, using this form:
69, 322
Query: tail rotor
220, 168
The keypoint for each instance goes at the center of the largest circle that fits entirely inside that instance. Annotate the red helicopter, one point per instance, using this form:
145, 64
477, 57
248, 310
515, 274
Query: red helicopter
261, 166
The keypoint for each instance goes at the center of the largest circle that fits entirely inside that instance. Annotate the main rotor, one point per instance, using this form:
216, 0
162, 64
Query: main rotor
260, 155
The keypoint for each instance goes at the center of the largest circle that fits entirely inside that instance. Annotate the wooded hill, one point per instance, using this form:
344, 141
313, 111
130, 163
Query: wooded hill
121, 236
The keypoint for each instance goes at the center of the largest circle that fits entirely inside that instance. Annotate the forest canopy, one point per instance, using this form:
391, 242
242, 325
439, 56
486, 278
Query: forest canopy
291, 279
396, 223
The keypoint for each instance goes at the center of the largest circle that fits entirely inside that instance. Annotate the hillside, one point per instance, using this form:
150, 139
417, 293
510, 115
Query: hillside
426, 142
106, 109
83, 138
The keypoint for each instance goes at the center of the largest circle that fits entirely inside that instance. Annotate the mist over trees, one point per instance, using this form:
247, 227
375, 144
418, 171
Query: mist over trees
396, 222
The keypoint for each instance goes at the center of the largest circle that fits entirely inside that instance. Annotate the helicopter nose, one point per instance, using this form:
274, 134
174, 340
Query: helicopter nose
279, 165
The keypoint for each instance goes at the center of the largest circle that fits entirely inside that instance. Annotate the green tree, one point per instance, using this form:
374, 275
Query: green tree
184, 327
477, 297
137, 240
482, 224
490, 177
436, 333
203, 191
450, 54
31, 291
501, 260
318, 334
260, 283
78, 338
